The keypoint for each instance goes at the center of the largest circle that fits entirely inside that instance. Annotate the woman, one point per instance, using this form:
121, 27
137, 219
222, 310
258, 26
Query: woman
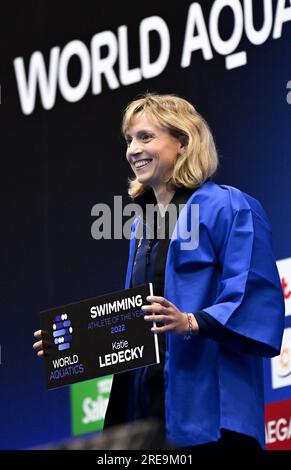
218, 305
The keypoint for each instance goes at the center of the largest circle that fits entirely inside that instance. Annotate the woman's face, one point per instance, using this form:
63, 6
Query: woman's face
151, 150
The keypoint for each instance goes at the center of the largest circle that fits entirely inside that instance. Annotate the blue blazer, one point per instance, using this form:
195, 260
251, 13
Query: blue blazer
231, 275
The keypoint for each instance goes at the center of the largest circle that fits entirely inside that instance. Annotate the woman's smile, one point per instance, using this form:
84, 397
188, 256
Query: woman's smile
141, 164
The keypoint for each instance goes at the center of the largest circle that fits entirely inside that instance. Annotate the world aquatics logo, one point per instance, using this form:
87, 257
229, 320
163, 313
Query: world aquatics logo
62, 332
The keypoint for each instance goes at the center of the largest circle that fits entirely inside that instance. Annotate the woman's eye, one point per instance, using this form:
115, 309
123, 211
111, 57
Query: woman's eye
141, 138
146, 137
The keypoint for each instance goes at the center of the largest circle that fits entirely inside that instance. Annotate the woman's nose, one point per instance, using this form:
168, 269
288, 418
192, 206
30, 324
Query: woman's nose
134, 148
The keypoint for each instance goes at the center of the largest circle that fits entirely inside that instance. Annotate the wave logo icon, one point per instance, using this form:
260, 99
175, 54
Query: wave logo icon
62, 332
281, 364
285, 361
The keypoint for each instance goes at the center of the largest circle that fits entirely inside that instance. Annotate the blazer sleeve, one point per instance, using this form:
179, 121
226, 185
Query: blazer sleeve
250, 300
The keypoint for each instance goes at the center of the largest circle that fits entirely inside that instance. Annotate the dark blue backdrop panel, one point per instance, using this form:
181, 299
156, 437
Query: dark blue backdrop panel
58, 163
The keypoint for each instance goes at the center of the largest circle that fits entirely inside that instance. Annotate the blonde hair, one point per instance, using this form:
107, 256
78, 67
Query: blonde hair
199, 161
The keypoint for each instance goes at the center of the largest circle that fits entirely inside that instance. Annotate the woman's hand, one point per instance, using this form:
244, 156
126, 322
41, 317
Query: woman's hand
162, 310
38, 345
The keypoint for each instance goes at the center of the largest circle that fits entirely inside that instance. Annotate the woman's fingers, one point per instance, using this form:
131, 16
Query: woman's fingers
155, 308
160, 300
163, 311
38, 345
158, 318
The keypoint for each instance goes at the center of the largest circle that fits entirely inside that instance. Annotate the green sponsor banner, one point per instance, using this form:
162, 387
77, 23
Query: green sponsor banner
89, 401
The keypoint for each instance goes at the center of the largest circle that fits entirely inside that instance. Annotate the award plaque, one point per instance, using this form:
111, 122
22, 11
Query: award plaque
97, 337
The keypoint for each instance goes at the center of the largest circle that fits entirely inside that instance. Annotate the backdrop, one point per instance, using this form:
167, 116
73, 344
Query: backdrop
67, 69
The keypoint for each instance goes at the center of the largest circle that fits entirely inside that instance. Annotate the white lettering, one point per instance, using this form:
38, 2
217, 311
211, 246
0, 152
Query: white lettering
94, 410
282, 15
225, 47
127, 77
103, 66
121, 356
116, 306
65, 361
254, 36
119, 344
200, 41
70, 93
37, 74
279, 430
154, 23
45, 75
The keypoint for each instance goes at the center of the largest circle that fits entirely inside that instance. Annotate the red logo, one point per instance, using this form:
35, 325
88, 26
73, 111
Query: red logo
278, 425
285, 288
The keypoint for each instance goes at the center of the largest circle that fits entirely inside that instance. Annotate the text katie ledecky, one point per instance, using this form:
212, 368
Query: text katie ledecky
125, 355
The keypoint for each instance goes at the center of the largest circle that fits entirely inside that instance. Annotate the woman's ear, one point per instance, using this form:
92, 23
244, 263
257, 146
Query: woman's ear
182, 149
183, 143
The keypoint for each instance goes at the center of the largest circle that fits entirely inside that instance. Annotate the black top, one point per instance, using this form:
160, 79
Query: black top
139, 394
